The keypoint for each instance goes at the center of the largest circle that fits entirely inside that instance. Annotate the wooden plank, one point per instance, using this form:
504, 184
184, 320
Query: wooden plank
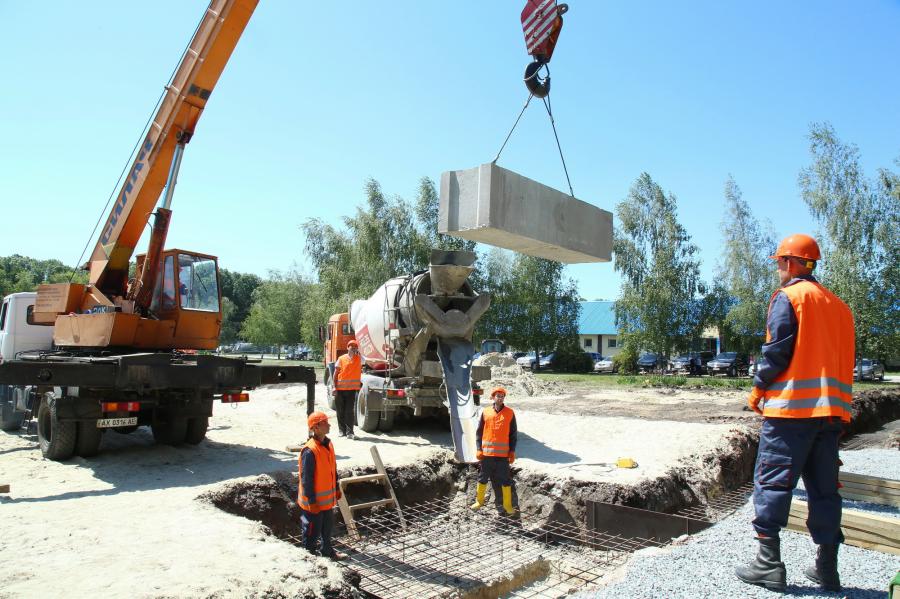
870, 480
870, 498
371, 504
4, 488
347, 514
388, 487
295, 448
860, 529
361, 479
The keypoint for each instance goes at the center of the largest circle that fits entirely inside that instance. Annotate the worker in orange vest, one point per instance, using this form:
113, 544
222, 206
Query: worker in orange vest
495, 441
347, 383
319, 491
803, 390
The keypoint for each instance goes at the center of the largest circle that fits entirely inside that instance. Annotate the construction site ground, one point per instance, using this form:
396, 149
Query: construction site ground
144, 520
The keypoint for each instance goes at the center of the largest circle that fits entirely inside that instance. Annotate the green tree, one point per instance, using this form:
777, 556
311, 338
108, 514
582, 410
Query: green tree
745, 272
386, 238
237, 289
656, 307
541, 307
859, 237
276, 312
21, 273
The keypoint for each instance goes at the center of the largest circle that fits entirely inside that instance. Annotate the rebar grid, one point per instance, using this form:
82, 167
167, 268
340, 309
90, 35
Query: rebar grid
447, 550
720, 507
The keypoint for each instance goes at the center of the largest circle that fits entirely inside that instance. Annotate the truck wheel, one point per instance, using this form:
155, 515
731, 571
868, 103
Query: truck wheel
10, 420
87, 441
365, 419
386, 421
171, 431
196, 429
57, 439
732, 372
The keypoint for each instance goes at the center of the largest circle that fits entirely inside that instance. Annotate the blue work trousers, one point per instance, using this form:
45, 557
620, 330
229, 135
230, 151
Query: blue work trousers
788, 449
497, 471
314, 527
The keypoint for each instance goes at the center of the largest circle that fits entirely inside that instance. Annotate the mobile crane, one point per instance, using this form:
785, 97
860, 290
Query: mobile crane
115, 359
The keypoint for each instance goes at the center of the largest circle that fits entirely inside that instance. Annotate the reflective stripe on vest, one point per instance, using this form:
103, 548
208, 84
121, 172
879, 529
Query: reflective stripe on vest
323, 481
350, 376
819, 380
495, 435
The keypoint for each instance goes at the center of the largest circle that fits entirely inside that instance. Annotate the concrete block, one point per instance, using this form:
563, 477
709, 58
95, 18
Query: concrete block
496, 206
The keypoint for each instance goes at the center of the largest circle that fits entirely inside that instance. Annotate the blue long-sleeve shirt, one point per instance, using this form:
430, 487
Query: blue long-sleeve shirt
779, 350
513, 432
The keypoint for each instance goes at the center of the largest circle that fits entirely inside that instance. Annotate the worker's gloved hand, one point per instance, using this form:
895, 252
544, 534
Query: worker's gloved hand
334, 392
479, 455
339, 495
753, 399
512, 457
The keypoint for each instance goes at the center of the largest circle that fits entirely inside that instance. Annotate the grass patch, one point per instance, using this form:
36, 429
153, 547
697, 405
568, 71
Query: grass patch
644, 380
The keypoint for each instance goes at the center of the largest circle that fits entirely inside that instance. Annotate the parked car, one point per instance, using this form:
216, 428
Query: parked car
515, 355
650, 362
548, 361
595, 357
691, 362
605, 365
871, 369
729, 363
297, 355
526, 361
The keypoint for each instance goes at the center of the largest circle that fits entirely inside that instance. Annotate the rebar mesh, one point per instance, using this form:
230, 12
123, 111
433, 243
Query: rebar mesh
447, 550
719, 507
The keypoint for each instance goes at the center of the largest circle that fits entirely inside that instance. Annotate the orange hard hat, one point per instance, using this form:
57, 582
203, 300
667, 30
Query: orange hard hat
352, 344
799, 246
498, 390
315, 418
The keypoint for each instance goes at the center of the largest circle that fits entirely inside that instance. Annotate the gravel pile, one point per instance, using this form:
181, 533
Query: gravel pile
704, 566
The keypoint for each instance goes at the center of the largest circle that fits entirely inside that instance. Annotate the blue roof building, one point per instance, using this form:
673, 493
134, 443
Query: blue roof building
597, 328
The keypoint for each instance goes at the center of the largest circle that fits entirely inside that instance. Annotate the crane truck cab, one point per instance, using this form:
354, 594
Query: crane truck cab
335, 335
19, 333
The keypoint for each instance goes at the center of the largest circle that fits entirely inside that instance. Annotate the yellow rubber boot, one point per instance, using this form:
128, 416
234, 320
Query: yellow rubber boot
479, 496
507, 500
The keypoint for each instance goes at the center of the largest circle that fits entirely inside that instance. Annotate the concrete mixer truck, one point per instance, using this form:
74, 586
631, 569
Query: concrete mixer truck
415, 335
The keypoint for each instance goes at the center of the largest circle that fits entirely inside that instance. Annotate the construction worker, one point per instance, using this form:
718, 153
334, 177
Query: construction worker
347, 382
803, 390
495, 442
319, 491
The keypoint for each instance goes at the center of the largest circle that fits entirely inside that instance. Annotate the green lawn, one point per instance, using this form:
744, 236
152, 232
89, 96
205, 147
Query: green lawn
615, 380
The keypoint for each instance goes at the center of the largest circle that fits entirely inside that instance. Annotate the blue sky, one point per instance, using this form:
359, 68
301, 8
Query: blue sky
319, 96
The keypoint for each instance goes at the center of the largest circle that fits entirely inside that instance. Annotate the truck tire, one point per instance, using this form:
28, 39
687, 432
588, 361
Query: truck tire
10, 420
386, 421
57, 439
196, 429
169, 431
87, 440
365, 419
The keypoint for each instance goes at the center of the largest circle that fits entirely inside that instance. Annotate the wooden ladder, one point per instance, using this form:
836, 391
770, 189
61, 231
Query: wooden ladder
347, 509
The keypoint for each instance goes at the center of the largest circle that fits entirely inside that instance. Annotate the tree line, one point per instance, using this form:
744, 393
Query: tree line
663, 305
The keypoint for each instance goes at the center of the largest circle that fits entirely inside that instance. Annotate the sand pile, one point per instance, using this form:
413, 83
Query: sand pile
494, 359
518, 381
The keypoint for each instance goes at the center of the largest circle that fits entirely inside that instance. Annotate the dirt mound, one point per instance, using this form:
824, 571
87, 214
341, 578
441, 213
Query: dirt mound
518, 381
494, 359
872, 409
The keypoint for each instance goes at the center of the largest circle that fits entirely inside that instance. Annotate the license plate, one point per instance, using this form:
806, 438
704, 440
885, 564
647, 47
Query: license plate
113, 422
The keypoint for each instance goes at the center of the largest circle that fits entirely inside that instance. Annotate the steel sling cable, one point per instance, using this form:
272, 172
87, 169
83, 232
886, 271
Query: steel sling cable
508, 135
553, 123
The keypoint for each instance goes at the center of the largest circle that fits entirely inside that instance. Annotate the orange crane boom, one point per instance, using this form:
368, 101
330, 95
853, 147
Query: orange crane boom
185, 98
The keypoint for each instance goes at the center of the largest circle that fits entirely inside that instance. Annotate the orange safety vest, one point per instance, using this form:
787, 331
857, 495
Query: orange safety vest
350, 376
324, 481
495, 435
819, 380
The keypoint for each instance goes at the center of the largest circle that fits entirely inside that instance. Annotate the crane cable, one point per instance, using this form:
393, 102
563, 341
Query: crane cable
134, 151
546, 101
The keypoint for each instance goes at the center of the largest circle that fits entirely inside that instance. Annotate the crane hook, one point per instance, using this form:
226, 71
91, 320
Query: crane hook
541, 23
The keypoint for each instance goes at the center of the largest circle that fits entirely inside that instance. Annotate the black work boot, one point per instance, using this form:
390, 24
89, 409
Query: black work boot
767, 569
825, 573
